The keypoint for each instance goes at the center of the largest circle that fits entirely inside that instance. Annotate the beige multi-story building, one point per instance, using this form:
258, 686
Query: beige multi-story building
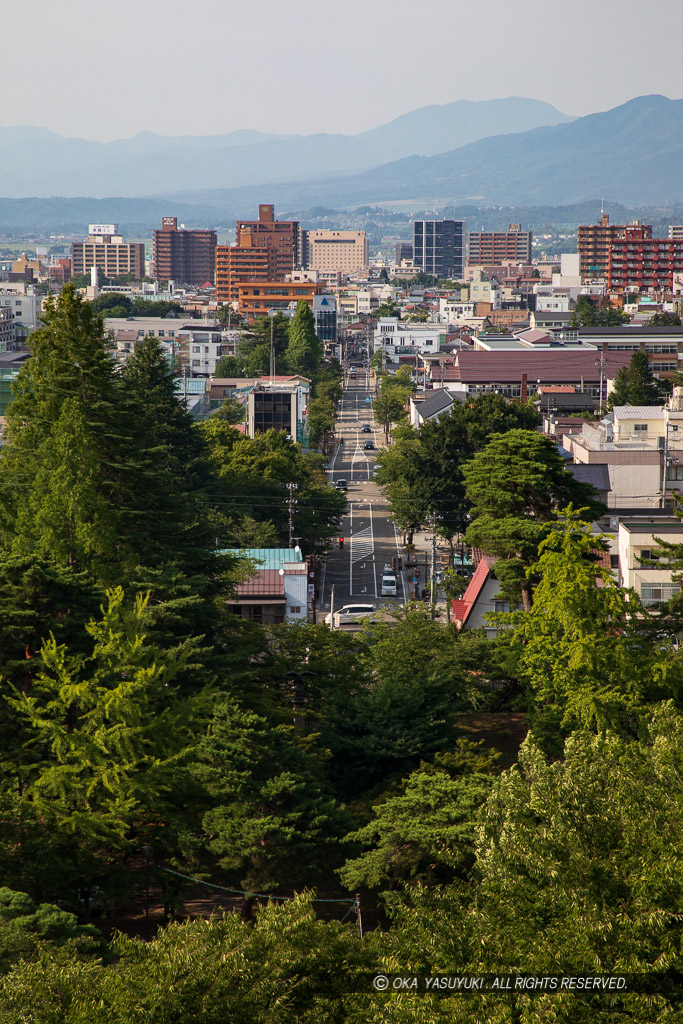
106, 250
329, 252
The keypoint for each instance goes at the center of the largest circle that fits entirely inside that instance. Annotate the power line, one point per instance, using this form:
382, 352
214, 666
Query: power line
259, 895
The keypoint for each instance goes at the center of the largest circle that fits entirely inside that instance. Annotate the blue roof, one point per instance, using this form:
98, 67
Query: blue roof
271, 558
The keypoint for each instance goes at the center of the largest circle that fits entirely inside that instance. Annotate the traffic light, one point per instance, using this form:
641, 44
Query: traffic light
341, 443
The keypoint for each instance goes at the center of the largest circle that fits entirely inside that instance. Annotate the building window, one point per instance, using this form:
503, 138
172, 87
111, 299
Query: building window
295, 609
640, 428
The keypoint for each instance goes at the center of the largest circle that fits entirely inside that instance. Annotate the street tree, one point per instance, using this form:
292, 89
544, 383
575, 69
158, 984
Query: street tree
515, 485
304, 351
422, 471
636, 384
230, 410
389, 406
230, 366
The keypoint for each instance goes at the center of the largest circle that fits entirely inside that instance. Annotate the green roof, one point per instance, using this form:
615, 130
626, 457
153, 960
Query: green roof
270, 558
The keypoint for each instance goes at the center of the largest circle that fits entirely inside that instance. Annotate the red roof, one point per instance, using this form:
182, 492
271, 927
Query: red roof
268, 583
462, 607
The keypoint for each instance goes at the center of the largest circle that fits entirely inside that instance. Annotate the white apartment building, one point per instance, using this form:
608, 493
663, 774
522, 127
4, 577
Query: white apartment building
451, 311
642, 446
397, 338
157, 326
637, 542
7, 330
25, 304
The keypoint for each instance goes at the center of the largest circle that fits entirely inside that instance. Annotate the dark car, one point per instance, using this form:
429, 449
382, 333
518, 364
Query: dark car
366, 429
342, 485
369, 446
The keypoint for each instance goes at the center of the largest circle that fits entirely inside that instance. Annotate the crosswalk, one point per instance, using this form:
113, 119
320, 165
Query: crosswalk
362, 544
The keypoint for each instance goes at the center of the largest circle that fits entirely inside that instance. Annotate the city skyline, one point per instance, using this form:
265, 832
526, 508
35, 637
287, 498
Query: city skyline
324, 72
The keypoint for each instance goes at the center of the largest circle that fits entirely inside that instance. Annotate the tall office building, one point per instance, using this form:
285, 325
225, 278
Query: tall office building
184, 256
593, 242
403, 251
265, 250
439, 247
106, 250
492, 248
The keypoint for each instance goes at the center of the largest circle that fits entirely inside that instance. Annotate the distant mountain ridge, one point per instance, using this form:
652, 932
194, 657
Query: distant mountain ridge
631, 154
38, 162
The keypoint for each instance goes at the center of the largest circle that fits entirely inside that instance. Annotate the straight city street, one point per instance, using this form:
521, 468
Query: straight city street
371, 539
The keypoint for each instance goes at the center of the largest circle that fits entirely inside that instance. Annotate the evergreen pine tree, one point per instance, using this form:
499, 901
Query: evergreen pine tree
63, 472
635, 384
304, 351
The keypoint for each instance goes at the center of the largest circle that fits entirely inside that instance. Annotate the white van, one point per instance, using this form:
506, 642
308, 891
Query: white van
388, 584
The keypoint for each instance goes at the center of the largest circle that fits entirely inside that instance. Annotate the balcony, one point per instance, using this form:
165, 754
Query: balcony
653, 593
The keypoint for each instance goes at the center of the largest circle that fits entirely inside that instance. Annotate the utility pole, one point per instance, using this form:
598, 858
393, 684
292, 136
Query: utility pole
147, 852
292, 487
272, 354
332, 607
665, 459
432, 589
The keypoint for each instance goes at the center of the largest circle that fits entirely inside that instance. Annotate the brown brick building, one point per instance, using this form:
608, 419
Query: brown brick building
265, 250
184, 256
593, 242
639, 261
497, 247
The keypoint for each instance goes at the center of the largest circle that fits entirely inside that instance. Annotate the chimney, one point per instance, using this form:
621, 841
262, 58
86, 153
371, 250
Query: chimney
523, 391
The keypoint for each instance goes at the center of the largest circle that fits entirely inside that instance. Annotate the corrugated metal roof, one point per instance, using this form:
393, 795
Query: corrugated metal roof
639, 412
271, 558
268, 583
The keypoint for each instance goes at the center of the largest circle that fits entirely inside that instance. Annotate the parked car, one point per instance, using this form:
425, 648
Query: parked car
342, 485
351, 613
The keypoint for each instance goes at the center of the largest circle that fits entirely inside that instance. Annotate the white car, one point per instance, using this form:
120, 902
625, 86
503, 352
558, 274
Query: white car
350, 613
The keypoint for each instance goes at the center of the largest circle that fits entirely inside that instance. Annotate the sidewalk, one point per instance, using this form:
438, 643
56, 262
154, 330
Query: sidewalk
422, 541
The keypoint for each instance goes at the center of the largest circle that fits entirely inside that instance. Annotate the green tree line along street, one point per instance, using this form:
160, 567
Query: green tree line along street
152, 742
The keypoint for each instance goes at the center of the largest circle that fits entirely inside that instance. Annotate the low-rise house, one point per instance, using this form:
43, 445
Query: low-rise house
430, 406
480, 599
278, 591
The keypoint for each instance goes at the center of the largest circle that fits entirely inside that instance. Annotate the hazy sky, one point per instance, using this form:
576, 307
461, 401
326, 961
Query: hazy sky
104, 71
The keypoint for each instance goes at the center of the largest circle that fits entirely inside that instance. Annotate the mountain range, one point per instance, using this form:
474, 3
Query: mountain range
38, 162
631, 154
